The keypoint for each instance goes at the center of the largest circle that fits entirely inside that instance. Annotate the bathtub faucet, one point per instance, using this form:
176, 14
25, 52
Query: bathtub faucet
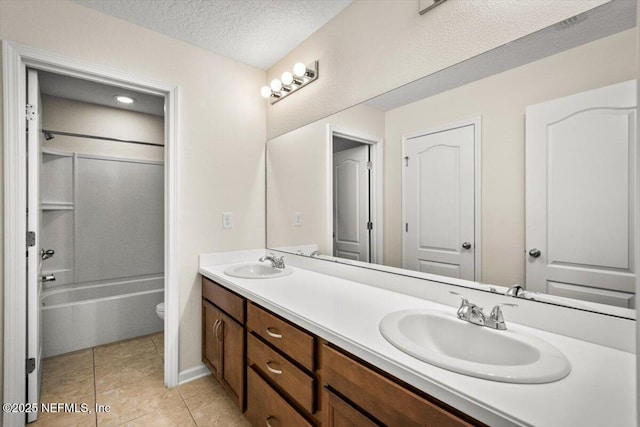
275, 261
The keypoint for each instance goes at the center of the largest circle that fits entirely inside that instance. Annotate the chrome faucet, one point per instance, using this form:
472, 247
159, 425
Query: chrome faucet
275, 261
515, 291
472, 313
315, 253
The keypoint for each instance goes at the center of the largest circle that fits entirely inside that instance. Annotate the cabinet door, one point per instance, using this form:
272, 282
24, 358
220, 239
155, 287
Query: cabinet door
233, 358
211, 344
339, 413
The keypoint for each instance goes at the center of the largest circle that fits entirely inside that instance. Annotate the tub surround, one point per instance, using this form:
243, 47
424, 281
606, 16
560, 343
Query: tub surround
347, 314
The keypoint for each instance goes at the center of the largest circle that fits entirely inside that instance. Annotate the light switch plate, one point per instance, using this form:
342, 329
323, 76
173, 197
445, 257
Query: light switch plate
298, 219
227, 220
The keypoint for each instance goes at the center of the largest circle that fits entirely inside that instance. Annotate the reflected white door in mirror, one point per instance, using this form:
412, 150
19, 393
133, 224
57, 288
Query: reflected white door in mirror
580, 182
351, 201
438, 199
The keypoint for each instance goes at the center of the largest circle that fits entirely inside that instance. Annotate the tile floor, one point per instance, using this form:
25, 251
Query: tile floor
128, 376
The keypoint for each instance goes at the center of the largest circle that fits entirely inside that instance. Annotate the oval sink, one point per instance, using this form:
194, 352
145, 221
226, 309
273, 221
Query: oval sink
257, 270
450, 343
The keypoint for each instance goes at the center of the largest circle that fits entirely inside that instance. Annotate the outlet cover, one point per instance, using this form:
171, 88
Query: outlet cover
298, 219
227, 220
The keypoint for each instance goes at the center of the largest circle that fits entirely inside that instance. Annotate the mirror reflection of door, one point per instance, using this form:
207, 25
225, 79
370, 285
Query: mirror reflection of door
351, 200
580, 180
439, 202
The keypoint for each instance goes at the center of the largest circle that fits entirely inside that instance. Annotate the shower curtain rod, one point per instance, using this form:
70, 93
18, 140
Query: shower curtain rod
48, 134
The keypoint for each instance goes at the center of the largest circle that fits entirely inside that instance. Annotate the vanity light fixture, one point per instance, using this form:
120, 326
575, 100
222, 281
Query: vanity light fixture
290, 82
125, 99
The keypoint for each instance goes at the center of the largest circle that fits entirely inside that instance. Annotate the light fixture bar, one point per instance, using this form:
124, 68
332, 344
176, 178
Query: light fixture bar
291, 83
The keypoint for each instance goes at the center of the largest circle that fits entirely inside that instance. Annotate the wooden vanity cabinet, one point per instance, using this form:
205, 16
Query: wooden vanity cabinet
355, 394
223, 338
294, 378
281, 367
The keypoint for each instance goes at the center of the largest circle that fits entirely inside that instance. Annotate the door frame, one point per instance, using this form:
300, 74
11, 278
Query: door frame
476, 121
376, 186
16, 58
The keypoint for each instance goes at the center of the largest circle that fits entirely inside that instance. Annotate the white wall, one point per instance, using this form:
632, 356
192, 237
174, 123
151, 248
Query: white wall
501, 101
221, 129
374, 46
297, 177
72, 116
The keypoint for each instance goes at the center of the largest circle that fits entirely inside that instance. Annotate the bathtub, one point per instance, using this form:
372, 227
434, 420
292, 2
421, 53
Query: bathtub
79, 317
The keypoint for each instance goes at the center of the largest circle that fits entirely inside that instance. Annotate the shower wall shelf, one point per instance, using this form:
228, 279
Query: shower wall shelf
58, 216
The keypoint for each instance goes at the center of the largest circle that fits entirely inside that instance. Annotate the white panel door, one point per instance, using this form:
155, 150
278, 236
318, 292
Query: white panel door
580, 182
351, 204
34, 260
438, 198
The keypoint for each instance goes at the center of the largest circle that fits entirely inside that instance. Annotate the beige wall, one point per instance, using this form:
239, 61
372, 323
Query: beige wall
501, 100
375, 46
72, 116
297, 177
221, 129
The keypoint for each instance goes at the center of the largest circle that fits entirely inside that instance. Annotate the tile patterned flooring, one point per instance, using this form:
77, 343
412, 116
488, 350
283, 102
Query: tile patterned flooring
128, 376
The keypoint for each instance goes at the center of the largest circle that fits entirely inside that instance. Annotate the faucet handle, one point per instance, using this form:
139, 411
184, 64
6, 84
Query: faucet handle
496, 312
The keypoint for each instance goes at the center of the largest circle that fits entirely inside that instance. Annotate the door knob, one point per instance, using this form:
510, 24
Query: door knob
535, 253
48, 278
47, 254
466, 245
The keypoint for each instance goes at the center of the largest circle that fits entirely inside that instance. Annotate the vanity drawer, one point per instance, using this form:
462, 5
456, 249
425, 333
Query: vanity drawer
293, 381
229, 302
387, 401
265, 407
291, 340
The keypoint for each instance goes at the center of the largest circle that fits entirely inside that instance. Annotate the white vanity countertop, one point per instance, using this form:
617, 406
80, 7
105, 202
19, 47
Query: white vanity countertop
599, 391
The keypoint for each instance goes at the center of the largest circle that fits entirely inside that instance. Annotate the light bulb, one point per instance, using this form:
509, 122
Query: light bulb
125, 99
276, 85
299, 69
265, 91
287, 78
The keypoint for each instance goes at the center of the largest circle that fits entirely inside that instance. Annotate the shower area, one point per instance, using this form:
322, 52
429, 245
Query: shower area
102, 216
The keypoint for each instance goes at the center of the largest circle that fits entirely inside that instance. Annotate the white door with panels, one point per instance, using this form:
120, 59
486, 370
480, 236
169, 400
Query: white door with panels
351, 226
580, 186
34, 258
439, 202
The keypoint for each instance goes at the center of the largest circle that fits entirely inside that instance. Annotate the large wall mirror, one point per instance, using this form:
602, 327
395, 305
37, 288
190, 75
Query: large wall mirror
517, 166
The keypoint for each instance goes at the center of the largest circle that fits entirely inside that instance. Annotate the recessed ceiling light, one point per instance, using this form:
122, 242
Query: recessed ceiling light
124, 99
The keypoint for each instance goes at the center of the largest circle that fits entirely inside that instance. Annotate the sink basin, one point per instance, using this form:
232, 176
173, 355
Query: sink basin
443, 340
257, 270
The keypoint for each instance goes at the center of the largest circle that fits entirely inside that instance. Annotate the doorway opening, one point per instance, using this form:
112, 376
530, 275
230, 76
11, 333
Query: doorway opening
354, 195
19, 61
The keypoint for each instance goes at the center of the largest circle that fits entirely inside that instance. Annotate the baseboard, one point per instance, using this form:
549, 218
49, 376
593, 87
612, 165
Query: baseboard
194, 373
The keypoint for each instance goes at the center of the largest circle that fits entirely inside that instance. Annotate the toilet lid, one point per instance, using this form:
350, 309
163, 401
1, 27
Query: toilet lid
160, 307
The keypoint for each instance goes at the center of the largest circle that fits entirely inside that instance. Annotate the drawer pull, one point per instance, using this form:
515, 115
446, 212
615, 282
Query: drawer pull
273, 334
272, 370
269, 419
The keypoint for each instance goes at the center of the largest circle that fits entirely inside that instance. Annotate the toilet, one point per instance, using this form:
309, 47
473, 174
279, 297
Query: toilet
160, 310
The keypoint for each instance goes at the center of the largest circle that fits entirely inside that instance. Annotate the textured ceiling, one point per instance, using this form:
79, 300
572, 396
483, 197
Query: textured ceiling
255, 32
